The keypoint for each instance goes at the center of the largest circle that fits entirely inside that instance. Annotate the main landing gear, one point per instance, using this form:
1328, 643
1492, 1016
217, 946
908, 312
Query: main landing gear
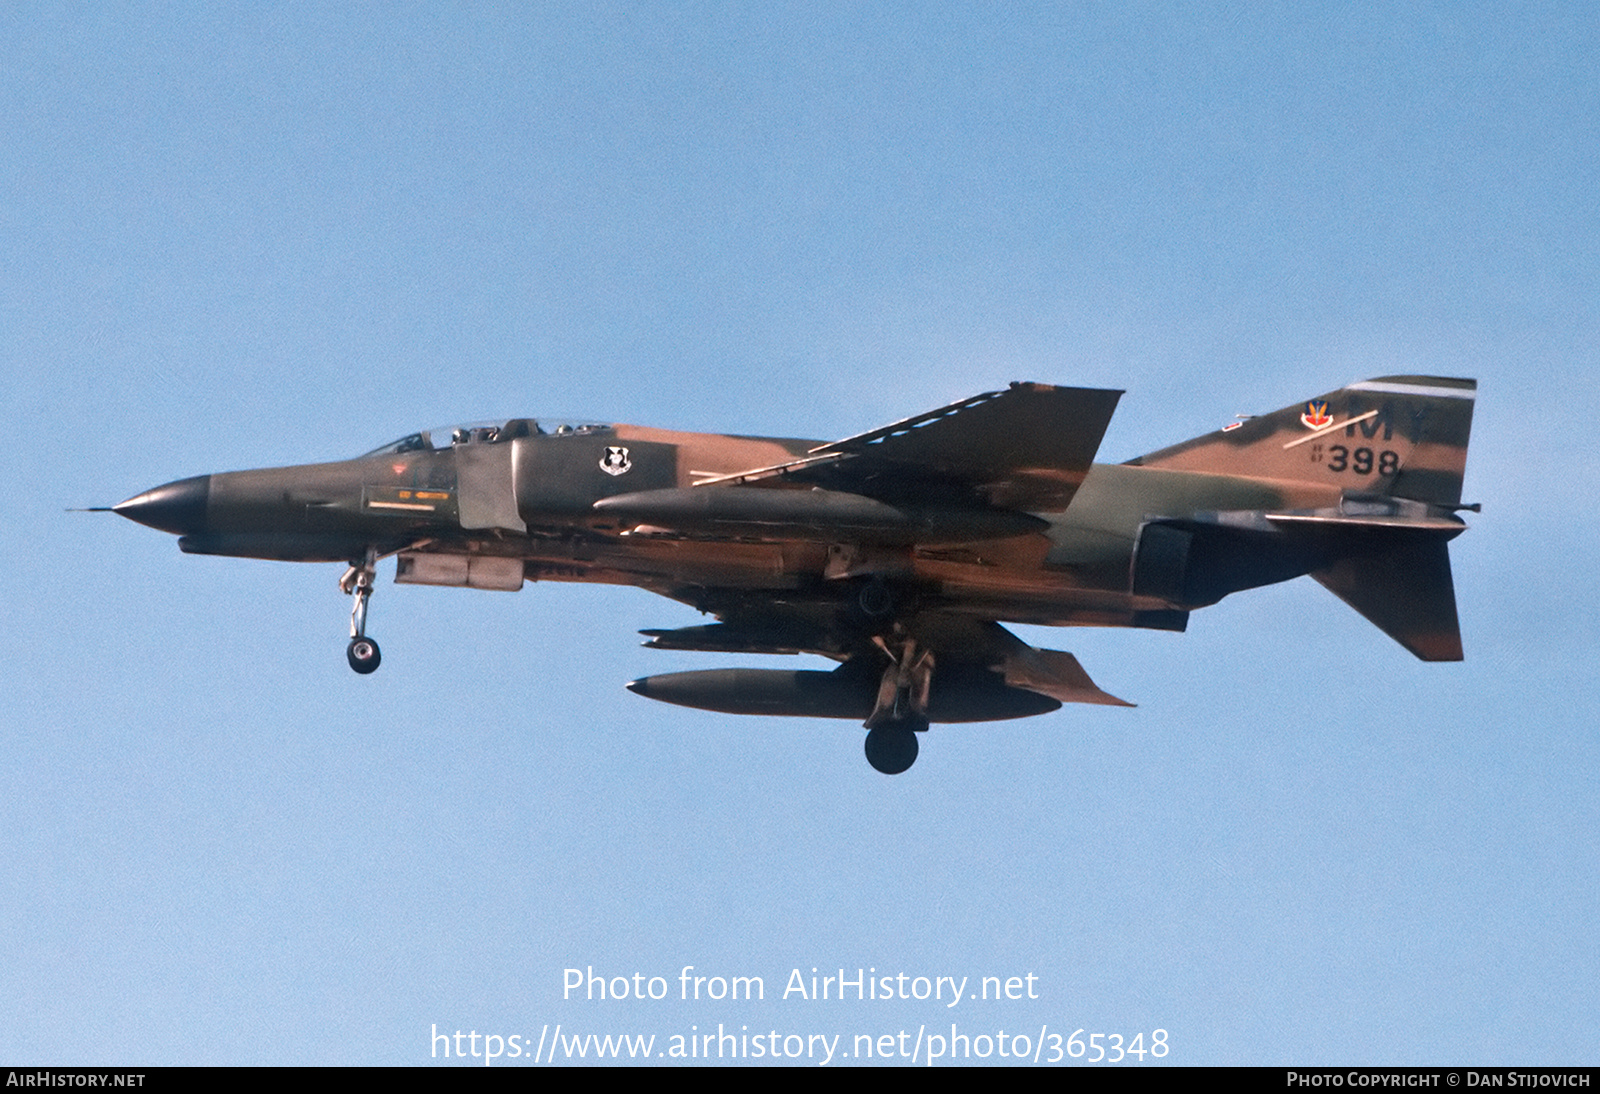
901, 711
362, 653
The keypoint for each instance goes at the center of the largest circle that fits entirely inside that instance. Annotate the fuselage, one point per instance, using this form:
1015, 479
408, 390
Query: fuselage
513, 492
897, 553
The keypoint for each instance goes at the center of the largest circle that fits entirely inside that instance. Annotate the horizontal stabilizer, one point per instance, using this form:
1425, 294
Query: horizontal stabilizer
1445, 527
1406, 592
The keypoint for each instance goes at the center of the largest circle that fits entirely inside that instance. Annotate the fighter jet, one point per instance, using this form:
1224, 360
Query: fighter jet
897, 553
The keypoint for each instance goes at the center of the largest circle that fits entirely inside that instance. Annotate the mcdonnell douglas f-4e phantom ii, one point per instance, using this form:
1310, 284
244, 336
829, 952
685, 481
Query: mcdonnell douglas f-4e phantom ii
897, 553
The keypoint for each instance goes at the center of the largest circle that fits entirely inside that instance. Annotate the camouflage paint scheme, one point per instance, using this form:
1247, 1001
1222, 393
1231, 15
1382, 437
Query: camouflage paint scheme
899, 552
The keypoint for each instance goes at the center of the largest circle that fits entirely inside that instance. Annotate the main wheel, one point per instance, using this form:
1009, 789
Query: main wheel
891, 749
363, 655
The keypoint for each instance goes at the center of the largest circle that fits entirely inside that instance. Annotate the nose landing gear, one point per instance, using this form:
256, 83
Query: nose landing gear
362, 653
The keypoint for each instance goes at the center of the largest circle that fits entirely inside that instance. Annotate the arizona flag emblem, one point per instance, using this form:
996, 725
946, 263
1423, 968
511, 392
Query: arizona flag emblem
1316, 415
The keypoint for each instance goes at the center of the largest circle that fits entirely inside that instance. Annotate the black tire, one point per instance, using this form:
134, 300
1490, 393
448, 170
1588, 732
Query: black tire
891, 749
363, 655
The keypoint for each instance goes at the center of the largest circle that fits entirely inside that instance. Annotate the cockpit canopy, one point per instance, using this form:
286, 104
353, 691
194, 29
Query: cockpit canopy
484, 433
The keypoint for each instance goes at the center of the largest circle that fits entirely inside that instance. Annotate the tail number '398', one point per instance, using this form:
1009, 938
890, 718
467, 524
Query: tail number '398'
1361, 460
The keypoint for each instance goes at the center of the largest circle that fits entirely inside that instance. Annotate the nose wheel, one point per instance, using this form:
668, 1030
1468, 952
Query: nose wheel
362, 653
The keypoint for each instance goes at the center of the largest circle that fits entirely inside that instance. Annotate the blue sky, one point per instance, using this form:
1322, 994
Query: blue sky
239, 238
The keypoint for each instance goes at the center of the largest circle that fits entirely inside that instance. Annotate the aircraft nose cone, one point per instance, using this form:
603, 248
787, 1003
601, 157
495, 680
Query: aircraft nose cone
178, 507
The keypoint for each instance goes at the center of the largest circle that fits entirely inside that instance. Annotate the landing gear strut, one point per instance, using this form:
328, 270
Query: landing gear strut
362, 653
901, 711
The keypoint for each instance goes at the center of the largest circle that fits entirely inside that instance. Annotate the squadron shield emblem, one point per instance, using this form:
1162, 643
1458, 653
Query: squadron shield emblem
615, 461
1316, 415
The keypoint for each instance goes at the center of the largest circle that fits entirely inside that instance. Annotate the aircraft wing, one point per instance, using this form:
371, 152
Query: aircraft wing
982, 672
1025, 448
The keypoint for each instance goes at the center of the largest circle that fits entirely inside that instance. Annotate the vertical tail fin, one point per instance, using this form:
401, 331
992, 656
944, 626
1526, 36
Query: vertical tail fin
1394, 437
1401, 436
